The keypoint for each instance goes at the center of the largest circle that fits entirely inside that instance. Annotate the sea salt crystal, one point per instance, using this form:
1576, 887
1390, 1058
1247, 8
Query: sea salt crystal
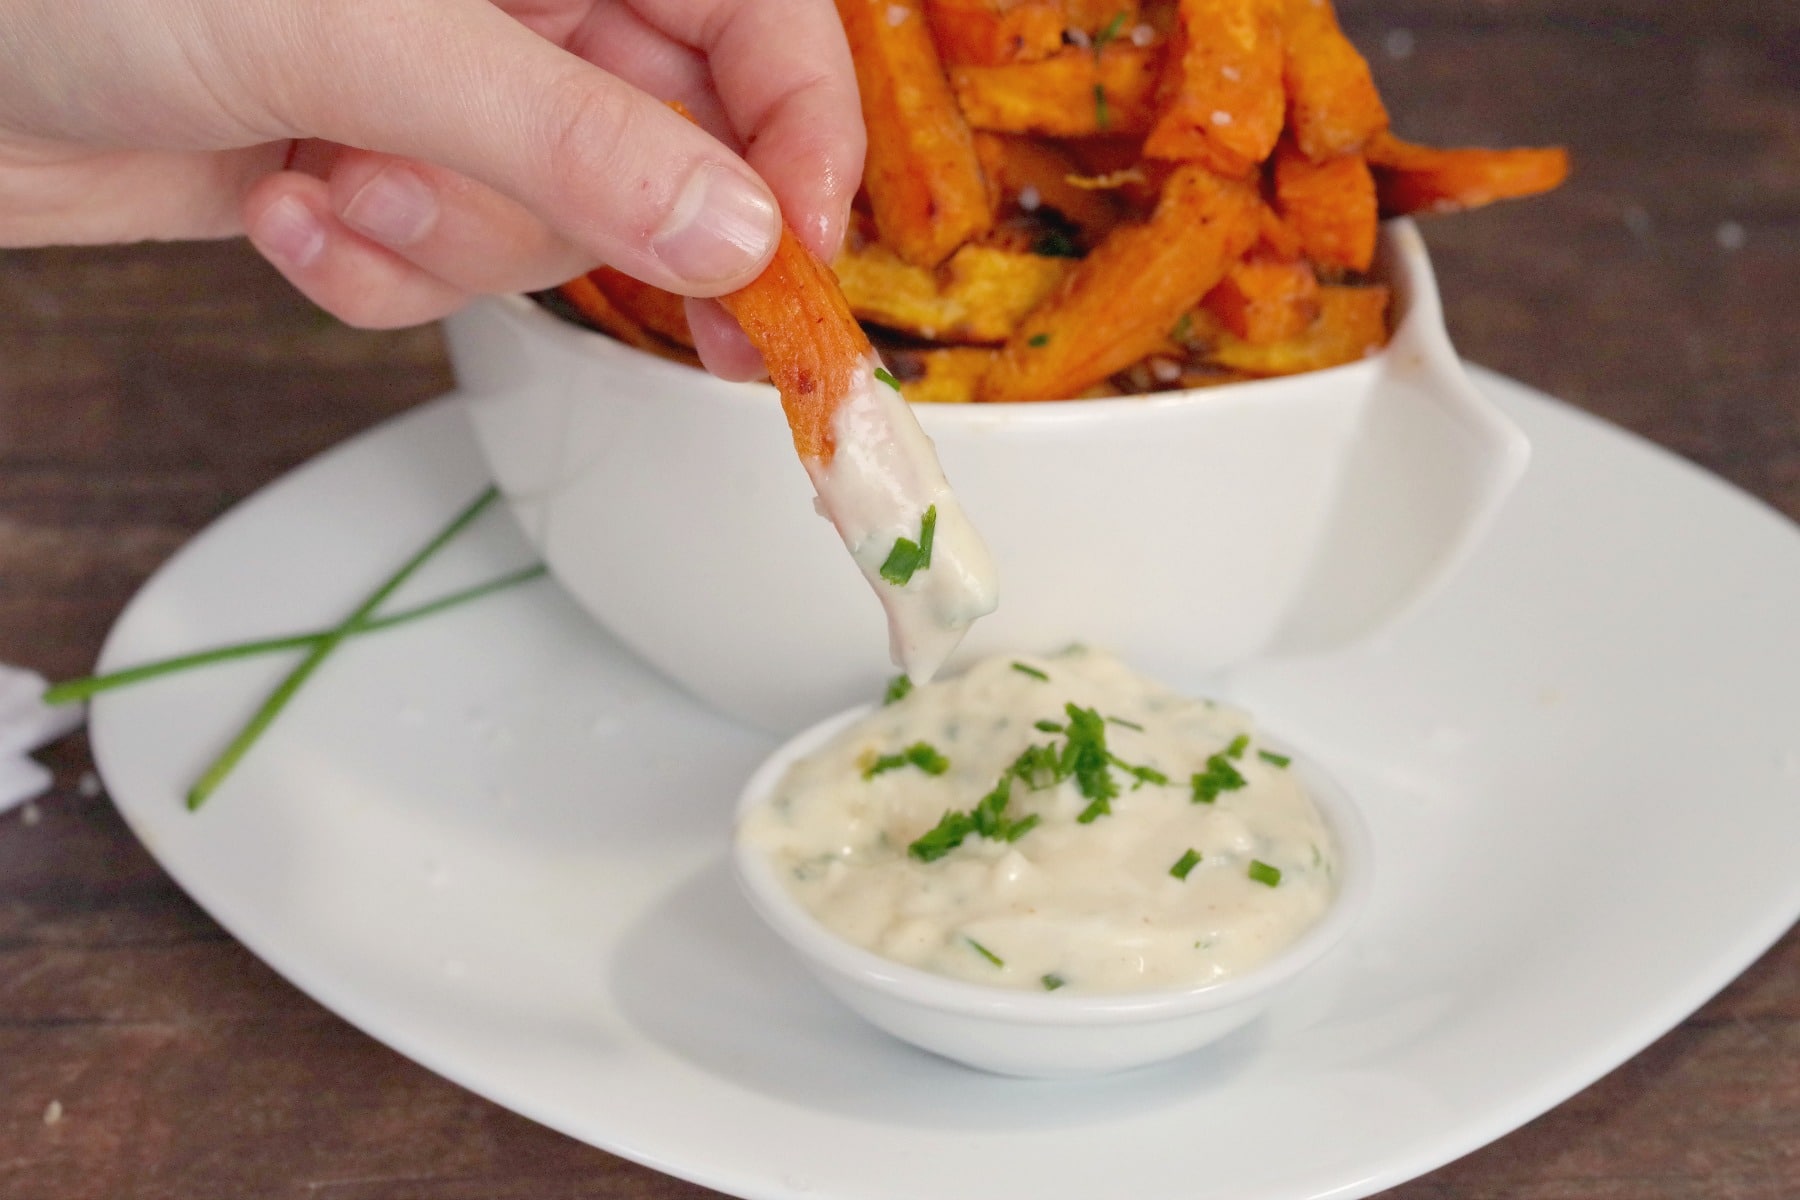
897, 14
1399, 43
1077, 37
1165, 370
53, 1112
1731, 236
1221, 117
1029, 198
1230, 72
1142, 35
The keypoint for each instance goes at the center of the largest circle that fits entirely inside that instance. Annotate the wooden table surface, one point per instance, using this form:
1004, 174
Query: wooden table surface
143, 391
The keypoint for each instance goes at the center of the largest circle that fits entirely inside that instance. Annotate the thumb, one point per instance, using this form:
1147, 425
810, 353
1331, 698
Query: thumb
461, 84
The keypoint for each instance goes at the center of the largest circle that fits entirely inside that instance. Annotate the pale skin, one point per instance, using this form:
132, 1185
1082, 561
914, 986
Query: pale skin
394, 158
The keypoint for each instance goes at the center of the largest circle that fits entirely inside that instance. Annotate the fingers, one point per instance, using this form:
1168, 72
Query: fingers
611, 169
720, 341
290, 220
782, 70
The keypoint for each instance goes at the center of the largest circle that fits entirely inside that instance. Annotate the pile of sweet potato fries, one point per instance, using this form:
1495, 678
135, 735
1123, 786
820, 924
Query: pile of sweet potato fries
1076, 198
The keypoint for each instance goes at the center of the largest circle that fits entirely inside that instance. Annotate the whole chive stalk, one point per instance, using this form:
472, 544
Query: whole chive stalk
73, 691
284, 691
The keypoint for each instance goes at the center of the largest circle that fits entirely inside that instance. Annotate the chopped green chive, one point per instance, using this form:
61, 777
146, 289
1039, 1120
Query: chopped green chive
1184, 329
1101, 117
909, 556
1028, 669
886, 376
1048, 726
985, 952
1125, 723
1094, 811
278, 699
922, 755
950, 831
1219, 776
1269, 756
1187, 862
1053, 981
898, 688
1054, 244
1262, 872
1239, 744
1038, 341
1109, 33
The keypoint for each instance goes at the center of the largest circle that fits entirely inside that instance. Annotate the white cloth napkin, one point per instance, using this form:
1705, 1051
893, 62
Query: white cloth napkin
27, 723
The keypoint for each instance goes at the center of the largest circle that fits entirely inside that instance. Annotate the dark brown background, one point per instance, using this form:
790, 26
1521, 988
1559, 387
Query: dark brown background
143, 391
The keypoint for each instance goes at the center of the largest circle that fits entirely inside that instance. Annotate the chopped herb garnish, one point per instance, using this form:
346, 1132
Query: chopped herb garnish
943, 837
1038, 341
1093, 812
1262, 872
1187, 862
898, 688
1048, 726
1109, 33
1101, 117
1053, 981
1053, 243
1126, 724
1142, 774
1219, 776
1239, 744
909, 556
922, 755
1184, 329
1028, 669
985, 952
1269, 756
886, 376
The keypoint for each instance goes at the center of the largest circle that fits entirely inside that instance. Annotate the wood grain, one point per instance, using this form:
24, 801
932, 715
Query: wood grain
144, 390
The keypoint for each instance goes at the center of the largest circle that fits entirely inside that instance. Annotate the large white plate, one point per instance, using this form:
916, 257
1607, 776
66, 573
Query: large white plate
494, 841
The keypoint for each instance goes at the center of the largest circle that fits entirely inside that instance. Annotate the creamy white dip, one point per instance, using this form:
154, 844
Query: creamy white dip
1209, 858
881, 482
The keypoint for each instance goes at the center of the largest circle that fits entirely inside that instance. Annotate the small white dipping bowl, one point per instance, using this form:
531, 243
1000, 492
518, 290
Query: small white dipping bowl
1048, 1035
1191, 529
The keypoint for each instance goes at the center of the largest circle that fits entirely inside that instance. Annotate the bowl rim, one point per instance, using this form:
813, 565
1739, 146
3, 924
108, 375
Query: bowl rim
828, 952
1402, 262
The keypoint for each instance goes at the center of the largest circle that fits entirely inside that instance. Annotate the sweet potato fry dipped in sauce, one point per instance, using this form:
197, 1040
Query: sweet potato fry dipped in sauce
875, 471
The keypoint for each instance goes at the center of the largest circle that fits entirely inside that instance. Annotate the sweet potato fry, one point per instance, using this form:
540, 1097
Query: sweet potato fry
663, 313
1122, 300
1333, 107
1330, 205
596, 307
1034, 175
923, 181
1265, 298
1411, 178
1351, 325
796, 316
1220, 101
980, 295
946, 375
1072, 94
987, 33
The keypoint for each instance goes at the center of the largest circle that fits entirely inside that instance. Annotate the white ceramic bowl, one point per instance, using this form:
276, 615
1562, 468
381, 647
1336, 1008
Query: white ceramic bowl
1192, 530
1048, 1035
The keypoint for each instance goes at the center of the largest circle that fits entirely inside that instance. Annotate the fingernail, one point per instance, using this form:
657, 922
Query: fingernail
722, 225
289, 235
395, 208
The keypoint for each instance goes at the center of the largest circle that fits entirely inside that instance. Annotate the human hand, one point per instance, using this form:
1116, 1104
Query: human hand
394, 159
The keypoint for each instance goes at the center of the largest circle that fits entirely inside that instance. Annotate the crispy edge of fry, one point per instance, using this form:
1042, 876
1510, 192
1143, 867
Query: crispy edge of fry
663, 313
992, 32
797, 318
1076, 93
1013, 164
1265, 297
1351, 325
1411, 178
1123, 299
1330, 205
585, 297
922, 178
979, 295
1333, 105
1221, 100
